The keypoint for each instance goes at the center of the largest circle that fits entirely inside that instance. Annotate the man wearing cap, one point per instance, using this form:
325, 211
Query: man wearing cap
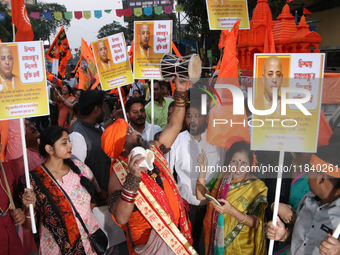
148, 202
318, 212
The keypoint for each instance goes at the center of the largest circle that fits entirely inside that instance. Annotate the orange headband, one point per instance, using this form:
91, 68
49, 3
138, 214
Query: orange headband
324, 166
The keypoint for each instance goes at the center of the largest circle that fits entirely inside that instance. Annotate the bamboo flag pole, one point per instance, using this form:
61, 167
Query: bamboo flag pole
28, 181
13, 29
277, 198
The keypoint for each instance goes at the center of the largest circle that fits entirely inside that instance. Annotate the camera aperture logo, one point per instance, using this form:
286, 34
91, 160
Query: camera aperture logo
238, 106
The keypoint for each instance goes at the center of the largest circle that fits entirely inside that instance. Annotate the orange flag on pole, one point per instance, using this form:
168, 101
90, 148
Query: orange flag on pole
225, 135
306, 12
60, 50
76, 69
3, 138
22, 22
88, 75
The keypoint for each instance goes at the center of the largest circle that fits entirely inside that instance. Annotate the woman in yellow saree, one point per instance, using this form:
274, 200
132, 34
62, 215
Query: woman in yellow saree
235, 227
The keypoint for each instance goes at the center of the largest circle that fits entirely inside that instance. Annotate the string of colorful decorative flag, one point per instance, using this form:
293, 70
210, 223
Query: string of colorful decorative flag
68, 15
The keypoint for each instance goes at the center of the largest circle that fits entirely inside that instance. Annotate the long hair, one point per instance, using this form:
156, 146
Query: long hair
50, 136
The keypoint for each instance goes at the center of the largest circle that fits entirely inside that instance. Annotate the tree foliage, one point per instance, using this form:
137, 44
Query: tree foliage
43, 28
110, 29
6, 34
197, 28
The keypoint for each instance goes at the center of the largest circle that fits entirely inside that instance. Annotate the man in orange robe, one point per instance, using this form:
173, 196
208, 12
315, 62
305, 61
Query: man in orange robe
8, 81
158, 185
105, 63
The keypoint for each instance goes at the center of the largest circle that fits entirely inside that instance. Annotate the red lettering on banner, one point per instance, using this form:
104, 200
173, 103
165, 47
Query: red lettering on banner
307, 76
152, 217
29, 49
179, 249
305, 63
140, 201
165, 233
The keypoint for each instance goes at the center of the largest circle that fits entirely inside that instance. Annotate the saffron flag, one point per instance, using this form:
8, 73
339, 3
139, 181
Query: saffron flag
22, 22
3, 138
88, 75
226, 135
76, 69
269, 44
306, 12
60, 50
51, 77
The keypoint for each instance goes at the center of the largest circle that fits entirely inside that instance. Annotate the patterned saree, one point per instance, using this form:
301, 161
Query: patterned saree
223, 234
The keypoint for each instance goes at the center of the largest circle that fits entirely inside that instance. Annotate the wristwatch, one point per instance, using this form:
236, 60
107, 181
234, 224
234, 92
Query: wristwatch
112, 118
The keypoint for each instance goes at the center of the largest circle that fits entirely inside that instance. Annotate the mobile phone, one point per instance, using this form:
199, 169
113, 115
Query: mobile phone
210, 198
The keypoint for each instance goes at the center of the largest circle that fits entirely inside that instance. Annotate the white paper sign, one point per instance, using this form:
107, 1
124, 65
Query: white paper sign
31, 69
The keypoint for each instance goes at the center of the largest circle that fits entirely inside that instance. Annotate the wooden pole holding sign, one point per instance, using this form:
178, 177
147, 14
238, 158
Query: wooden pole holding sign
27, 175
277, 198
336, 232
152, 111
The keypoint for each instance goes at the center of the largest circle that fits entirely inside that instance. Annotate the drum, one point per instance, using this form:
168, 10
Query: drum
188, 68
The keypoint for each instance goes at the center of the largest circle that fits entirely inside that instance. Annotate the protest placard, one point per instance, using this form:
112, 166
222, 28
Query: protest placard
223, 14
152, 40
23, 90
289, 123
112, 61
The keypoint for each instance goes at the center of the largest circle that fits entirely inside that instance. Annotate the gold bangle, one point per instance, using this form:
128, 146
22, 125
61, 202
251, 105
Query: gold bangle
245, 218
199, 183
285, 237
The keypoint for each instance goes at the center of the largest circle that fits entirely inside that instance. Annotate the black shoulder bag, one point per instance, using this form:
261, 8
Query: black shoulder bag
98, 239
